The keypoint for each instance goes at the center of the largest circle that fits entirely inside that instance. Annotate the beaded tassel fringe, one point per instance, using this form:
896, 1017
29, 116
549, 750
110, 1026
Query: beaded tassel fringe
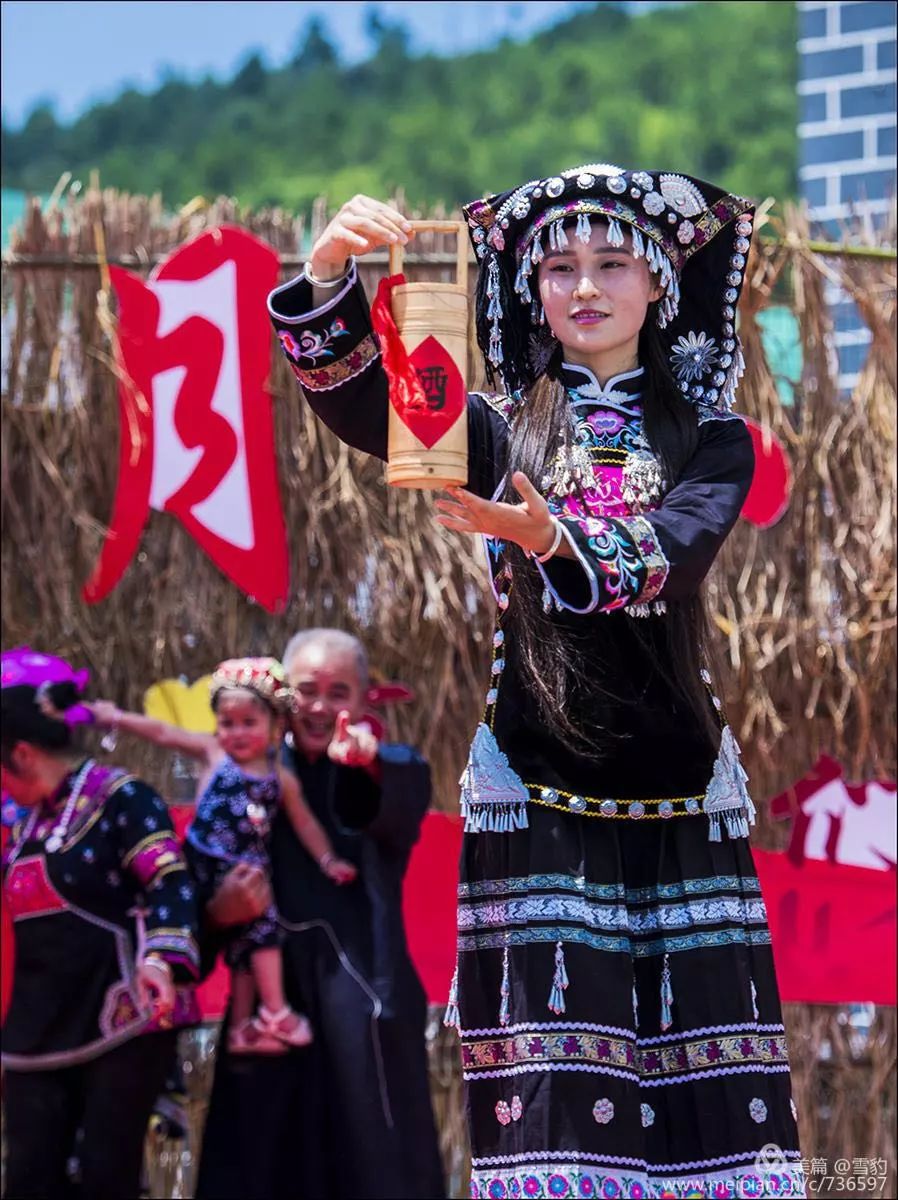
666, 995
494, 312
504, 992
615, 233
452, 1018
559, 982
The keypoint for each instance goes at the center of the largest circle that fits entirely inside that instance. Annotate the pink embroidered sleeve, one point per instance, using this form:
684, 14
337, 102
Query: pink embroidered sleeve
152, 855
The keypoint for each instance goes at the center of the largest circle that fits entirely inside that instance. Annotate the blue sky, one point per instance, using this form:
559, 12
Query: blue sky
76, 53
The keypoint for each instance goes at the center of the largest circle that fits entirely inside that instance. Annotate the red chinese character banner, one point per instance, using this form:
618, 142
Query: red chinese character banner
852, 824
197, 436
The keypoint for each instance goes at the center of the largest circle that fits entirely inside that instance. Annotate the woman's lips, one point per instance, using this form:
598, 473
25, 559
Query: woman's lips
589, 316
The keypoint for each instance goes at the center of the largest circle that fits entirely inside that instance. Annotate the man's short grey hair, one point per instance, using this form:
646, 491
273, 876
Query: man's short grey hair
334, 639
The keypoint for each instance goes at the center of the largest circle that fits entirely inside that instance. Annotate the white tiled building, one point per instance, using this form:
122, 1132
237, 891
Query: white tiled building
847, 131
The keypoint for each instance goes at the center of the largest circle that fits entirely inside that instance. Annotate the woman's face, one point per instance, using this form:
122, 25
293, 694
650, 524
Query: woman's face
596, 297
326, 682
22, 778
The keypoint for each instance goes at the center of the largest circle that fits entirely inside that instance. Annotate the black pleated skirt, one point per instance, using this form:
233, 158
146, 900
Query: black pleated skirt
620, 1024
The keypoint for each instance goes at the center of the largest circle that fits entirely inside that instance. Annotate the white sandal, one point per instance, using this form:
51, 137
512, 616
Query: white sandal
254, 1037
301, 1035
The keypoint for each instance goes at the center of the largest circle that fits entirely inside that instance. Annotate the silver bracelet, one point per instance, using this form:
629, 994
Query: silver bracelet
327, 283
326, 859
541, 558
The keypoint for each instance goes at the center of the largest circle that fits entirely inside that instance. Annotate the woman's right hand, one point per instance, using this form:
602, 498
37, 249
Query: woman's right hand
361, 225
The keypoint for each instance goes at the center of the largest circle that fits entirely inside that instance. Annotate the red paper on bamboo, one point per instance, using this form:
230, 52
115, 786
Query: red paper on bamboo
426, 387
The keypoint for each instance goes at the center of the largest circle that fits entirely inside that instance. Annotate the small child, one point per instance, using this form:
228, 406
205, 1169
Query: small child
238, 795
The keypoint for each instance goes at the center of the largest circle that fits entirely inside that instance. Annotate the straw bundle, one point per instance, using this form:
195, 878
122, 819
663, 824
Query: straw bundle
806, 610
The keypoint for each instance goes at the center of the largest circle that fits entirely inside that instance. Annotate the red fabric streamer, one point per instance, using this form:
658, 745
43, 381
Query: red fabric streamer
427, 390
406, 392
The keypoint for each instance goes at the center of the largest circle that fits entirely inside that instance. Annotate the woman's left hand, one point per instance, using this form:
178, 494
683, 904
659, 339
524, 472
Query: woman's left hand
155, 988
529, 523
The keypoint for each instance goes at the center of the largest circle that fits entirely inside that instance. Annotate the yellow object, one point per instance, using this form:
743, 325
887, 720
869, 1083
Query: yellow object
440, 310
186, 706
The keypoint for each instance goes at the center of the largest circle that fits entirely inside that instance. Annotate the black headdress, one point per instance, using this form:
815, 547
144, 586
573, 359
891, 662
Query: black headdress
694, 236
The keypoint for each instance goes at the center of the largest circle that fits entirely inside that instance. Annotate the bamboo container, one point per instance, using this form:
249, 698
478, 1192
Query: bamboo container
438, 310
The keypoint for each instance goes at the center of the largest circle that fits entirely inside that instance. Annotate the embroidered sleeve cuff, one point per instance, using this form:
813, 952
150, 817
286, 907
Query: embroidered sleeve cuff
154, 857
619, 563
324, 346
178, 948
572, 586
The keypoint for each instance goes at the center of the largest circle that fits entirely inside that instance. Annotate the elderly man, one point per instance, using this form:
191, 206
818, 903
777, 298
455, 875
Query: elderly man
349, 1116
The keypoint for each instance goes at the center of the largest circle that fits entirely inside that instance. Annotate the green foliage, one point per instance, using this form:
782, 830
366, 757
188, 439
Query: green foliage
705, 88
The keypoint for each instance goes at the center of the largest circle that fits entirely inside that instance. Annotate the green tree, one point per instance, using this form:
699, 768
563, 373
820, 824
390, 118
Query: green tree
709, 89
314, 49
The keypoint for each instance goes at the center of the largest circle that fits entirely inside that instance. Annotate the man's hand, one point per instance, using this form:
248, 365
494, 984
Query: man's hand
352, 745
529, 523
243, 895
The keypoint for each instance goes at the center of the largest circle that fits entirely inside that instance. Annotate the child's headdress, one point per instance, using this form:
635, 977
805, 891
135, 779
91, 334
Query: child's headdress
264, 677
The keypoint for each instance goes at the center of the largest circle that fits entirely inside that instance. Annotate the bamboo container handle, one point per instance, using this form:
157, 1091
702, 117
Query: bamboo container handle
397, 252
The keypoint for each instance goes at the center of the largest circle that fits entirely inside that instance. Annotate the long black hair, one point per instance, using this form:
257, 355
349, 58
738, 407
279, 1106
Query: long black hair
549, 656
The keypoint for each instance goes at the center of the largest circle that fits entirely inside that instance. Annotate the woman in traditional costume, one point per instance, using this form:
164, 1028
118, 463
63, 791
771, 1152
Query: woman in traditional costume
615, 992
105, 952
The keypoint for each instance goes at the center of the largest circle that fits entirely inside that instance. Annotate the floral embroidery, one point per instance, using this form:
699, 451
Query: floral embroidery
647, 1115
119, 1010
503, 1113
758, 1110
693, 356
313, 345
650, 1062
289, 344
517, 1108
539, 1181
603, 1111
606, 421
503, 405
657, 566
618, 558
337, 373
